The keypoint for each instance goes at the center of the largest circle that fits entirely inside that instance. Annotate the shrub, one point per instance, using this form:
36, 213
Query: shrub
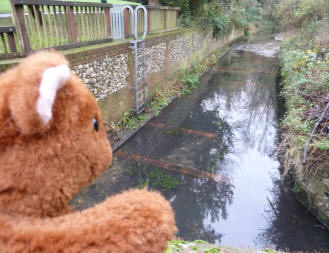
300, 12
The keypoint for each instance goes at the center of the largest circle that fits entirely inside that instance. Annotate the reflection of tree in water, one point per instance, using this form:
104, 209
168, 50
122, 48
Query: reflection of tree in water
291, 227
248, 108
201, 198
262, 92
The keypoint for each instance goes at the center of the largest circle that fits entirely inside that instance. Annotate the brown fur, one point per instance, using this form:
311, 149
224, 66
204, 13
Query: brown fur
42, 166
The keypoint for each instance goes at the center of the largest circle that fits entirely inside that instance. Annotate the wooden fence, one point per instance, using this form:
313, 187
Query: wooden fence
162, 18
8, 40
159, 19
42, 24
48, 23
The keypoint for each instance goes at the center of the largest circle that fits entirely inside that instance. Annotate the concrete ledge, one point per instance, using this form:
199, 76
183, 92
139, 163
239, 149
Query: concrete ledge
200, 246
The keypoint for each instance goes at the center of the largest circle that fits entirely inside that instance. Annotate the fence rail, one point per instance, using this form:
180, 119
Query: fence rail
64, 24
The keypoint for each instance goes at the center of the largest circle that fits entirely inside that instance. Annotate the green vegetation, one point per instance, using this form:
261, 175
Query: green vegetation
4, 6
271, 251
212, 250
222, 16
305, 78
153, 177
174, 132
297, 188
198, 246
130, 121
305, 81
300, 12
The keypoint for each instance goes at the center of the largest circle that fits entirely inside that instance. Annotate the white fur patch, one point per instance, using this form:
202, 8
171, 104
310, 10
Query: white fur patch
52, 80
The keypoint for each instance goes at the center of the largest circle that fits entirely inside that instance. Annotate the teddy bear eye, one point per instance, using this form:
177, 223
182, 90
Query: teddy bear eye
95, 124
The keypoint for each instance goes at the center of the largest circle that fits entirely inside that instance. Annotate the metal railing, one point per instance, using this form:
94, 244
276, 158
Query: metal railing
117, 22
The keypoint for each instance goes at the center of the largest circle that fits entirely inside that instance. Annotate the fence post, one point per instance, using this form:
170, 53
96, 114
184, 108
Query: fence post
126, 22
11, 41
108, 21
176, 19
71, 24
165, 20
19, 23
149, 20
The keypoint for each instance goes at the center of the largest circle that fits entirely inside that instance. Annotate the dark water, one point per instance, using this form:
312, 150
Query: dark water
233, 115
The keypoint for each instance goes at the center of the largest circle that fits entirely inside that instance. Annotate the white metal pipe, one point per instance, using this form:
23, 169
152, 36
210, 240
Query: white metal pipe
136, 22
132, 14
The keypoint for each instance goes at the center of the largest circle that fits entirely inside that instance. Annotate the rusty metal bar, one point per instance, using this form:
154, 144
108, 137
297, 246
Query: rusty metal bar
228, 69
170, 167
189, 131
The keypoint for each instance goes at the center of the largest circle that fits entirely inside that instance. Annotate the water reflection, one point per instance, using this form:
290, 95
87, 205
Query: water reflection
291, 226
201, 198
249, 109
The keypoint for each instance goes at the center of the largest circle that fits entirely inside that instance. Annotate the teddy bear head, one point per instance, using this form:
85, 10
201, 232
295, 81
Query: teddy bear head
52, 140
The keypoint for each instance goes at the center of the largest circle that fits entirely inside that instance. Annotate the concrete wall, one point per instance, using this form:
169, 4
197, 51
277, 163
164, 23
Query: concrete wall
108, 69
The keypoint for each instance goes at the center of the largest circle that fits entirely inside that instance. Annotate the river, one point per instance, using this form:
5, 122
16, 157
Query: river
212, 153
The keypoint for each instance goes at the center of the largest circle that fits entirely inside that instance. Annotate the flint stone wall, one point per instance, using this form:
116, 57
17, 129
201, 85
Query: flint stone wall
196, 42
179, 49
104, 76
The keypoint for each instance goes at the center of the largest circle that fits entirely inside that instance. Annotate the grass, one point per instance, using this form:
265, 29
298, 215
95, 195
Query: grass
4, 6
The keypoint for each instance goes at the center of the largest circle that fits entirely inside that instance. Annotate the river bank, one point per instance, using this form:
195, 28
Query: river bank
304, 149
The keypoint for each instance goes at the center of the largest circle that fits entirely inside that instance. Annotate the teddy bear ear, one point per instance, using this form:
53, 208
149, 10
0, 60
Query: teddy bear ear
31, 104
52, 80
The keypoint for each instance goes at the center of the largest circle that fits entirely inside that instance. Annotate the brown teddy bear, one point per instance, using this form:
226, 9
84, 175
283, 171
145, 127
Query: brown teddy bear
52, 143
